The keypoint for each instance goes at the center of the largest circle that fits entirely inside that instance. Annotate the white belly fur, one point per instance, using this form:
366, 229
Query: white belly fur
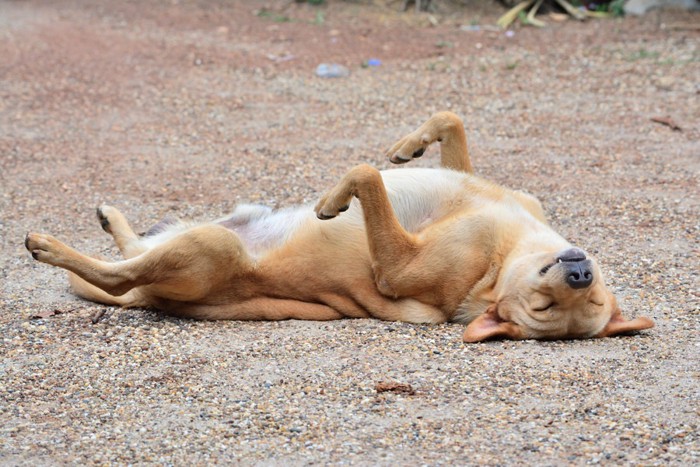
415, 194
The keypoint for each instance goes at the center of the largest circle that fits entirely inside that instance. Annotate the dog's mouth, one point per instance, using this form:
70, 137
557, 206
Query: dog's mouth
576, 268
545, 269
571, 255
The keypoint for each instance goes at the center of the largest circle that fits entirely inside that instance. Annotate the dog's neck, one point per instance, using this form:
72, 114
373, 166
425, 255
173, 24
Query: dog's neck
526, 236
538, 241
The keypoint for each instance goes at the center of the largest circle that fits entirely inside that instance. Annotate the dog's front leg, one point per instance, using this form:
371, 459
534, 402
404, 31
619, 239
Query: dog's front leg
443, 127
391, 247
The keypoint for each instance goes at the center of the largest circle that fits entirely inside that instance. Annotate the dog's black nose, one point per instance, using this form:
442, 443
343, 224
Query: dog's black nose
571, 255
579, 274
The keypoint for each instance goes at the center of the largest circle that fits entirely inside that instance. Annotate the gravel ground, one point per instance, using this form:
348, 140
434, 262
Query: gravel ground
188, 107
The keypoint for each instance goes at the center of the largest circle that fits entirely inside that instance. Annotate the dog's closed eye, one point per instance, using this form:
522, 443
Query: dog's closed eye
544, 308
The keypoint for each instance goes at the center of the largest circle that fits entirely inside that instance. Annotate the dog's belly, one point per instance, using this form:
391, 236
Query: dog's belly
417, 195
261, 229
420, 196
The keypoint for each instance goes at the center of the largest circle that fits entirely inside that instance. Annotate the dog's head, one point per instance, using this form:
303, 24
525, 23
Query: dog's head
548, 295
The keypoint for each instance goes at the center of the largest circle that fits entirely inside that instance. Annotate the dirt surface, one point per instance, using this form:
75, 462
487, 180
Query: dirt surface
189, 107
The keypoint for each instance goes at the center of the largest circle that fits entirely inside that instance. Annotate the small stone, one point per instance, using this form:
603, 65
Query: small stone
665, 83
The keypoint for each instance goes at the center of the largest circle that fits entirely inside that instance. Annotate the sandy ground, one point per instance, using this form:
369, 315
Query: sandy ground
189, 107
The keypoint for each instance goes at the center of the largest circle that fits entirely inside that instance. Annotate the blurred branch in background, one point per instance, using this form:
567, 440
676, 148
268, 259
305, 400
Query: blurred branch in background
527, 11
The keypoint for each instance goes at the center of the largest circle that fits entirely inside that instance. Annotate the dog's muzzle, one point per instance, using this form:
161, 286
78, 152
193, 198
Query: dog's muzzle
577, 269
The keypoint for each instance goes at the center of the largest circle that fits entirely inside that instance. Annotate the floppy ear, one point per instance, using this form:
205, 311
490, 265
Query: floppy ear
490, 325
619, 325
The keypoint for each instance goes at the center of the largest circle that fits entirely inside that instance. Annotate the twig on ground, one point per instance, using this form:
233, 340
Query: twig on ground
511, 15
54, 312
531, 15
570, 9
682, 27
668, 121
99, 315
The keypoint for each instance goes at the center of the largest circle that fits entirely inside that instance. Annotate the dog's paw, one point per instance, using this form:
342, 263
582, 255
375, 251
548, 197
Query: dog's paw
409, 147
103, 213
361, 177
43, 247
329, 206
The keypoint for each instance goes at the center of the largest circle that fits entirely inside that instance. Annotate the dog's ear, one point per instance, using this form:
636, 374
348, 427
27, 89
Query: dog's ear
619, 325
490, 325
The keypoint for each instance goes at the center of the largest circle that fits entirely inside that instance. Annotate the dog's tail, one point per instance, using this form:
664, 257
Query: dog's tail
86, 290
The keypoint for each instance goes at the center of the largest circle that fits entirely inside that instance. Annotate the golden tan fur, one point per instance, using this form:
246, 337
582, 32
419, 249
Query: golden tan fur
421, 245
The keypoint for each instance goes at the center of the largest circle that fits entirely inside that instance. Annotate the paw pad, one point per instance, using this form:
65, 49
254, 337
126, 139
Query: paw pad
104, 221
324, 217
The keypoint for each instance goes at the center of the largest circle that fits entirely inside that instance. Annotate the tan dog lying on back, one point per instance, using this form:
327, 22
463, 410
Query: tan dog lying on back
421, 245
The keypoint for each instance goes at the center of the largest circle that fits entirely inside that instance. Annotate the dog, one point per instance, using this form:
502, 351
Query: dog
415, 245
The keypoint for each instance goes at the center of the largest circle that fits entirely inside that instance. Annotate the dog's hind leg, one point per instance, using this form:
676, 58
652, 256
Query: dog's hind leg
197, 265
443, 127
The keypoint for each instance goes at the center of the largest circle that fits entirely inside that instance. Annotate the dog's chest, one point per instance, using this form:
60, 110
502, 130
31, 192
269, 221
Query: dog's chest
419, 197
